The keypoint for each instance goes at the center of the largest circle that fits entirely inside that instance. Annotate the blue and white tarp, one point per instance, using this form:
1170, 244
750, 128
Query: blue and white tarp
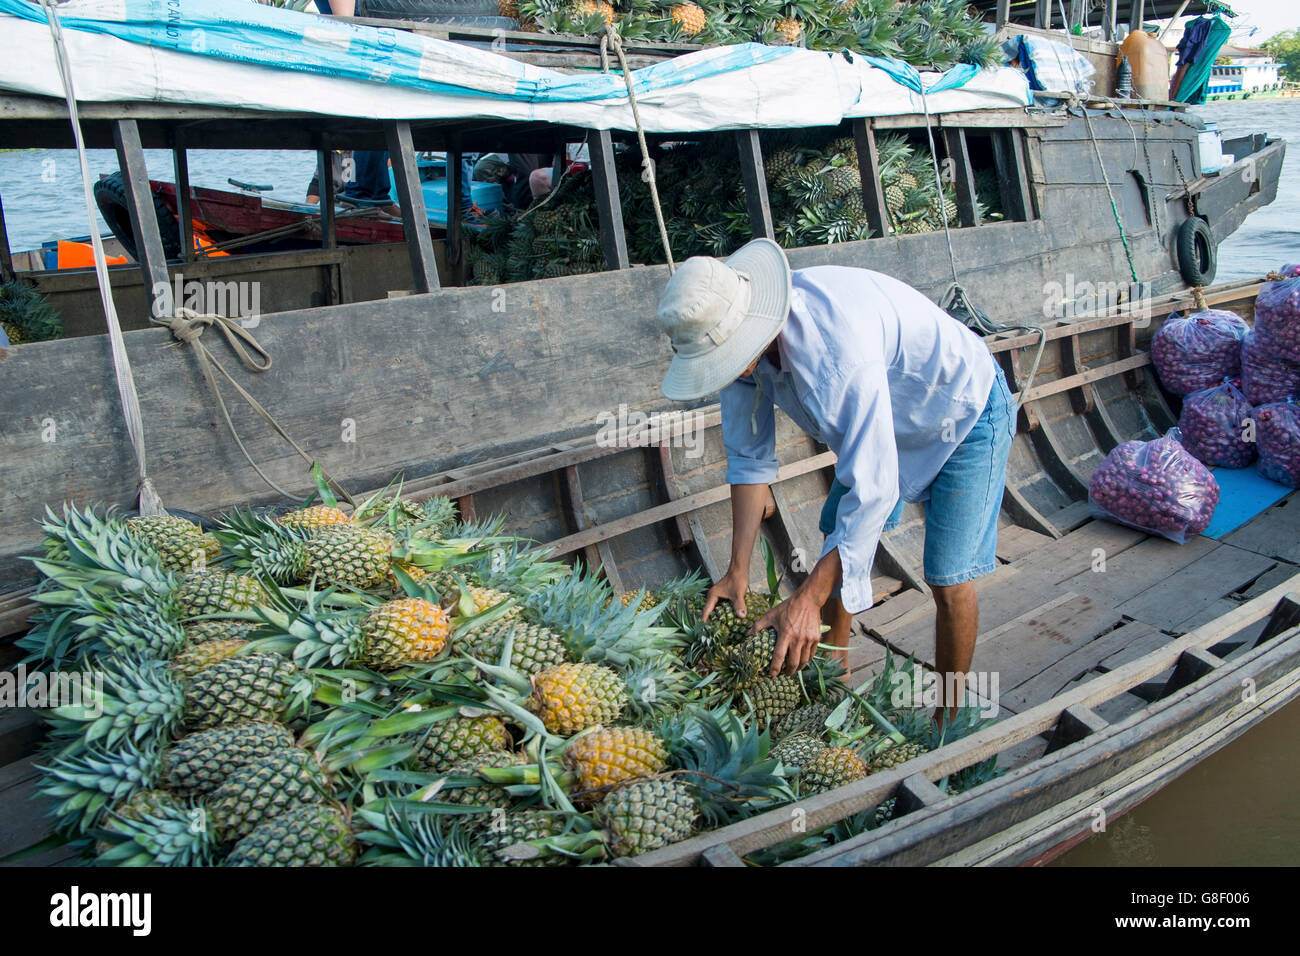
237, 53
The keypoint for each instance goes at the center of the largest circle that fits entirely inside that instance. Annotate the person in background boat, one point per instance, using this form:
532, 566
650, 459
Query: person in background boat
910, 401
368, 183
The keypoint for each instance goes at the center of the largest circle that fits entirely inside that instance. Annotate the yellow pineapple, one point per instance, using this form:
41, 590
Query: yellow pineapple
788, 30
585, 9
402, 631
573, 697
614, 755
688, 17
313, 518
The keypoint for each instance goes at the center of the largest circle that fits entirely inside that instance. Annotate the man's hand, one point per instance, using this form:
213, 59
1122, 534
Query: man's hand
798, 629
731, 586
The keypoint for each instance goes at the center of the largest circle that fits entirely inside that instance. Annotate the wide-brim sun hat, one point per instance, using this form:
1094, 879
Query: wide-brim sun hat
720, 315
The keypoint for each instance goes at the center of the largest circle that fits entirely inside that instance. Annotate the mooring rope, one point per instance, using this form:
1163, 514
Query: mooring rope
150, 503
612, 39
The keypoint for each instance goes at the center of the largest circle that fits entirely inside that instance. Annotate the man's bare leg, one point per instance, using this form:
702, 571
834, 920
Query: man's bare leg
956, 624
838, 620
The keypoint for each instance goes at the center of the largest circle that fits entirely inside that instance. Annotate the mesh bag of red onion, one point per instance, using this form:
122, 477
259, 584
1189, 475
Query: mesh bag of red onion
1277, 316
1155, 486
1197, 351
1278, 431
1265, 377
1216, 426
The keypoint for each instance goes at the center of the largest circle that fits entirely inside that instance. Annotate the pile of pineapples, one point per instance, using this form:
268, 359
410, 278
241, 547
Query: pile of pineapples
936, 33
26, 315
387, 684
814, 187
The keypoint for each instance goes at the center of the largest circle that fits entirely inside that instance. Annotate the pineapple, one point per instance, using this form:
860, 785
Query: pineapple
895, 755
607, 757
833, 767
789, 31
797, 749
198, 763
746, 663
218, 592
647, 602
781, 166
401, 631
730, 626
644, 816
456, 739
198, 656
584, 10
508, 9
263, 789
895, 198
135, 809
774, 697
181, 545
844, 146
200, 632
311, 835
843, 181
688, 17
534, 647
153, 828
501, 840
350, 556
853, 206
257, 687
313, 518
479, 793
573, 697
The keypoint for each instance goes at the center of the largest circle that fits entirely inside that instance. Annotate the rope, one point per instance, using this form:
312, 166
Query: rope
647, 164
957, 297
1114, 207
150, 502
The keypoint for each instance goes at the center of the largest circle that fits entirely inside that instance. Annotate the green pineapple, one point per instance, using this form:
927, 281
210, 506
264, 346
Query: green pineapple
218, 592
263, 789
809, 719
773, 697
895, 755
350, 556
181, 545
198, 763
533, 647
455, 739
474, 791
831, 768
797, 749
311, 835
647, 815
154, 828
216, 629
781, 165
843, 180
256, 687
198, 656
506, 840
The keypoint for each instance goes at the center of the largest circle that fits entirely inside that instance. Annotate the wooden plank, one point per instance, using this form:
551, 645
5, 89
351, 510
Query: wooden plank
1139, 568
139, 196
1274, 532
1140, 360
1016, 542
1003, 13
1129, 637
1072, 516
751, 172
915, 793
1075, 723
410, 196
826, 808
1175, 596
455, 239
1033, 642
184, 216
964, 177
893, 608
609, 209
720, 856
864, 139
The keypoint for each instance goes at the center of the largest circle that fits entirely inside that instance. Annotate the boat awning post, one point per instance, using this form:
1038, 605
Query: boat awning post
1013, 175
963, 177
139, 196
184, 217
1043, 14
6, 259
751, 170
455, 209
864, 138
1003, 14
1137, 13
609, 209
325, 194
415, 219
1108, 17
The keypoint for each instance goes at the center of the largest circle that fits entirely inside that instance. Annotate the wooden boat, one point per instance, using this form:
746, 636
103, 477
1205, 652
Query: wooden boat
1112, 683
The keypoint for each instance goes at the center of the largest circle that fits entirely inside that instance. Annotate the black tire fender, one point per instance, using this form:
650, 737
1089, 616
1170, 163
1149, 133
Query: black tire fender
110, 197
1197, 256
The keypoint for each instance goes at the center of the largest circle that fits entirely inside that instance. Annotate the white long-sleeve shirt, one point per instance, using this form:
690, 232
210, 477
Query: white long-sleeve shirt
881, 375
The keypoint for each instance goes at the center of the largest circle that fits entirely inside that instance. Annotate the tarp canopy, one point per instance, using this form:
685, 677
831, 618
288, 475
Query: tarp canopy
247, 55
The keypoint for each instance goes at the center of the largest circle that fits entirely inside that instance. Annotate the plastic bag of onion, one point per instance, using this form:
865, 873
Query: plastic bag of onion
1197, 351
1279, 442
1155, 486
1216, 426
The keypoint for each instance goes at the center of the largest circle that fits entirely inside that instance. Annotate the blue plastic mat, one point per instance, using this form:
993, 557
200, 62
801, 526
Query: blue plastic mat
1243, 493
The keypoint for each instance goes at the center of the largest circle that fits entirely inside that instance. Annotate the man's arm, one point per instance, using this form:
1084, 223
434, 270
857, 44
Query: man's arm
749, 436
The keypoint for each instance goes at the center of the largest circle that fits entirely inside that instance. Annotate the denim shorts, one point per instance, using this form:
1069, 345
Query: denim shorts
961, 515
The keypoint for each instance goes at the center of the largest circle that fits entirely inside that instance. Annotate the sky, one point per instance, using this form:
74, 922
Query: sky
1270, 16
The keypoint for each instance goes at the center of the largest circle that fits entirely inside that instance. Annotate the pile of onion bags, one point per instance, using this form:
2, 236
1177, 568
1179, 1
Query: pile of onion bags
1265, 377
1277, 318
1155, 486
1197, 351
1278, 431
1214, 425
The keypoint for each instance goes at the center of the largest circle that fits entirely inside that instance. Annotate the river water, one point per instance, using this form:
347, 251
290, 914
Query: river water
1236, 808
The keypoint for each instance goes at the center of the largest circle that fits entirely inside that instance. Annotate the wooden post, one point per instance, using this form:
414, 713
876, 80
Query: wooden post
1043, 14
1137, 13
751, 170
415, 220
455, 210
1108, 18
964, 177
326, 194
184, 215
6, 258
873, 190
1193, 664
139, 196
1013, 175
1074, 724
609, 207
1004, 13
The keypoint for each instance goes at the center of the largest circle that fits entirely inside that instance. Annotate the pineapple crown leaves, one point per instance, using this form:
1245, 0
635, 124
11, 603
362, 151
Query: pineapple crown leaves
86, 783
656, 687
97, 554
409, 833
726, 763
123, 698
26, 309
170, 834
